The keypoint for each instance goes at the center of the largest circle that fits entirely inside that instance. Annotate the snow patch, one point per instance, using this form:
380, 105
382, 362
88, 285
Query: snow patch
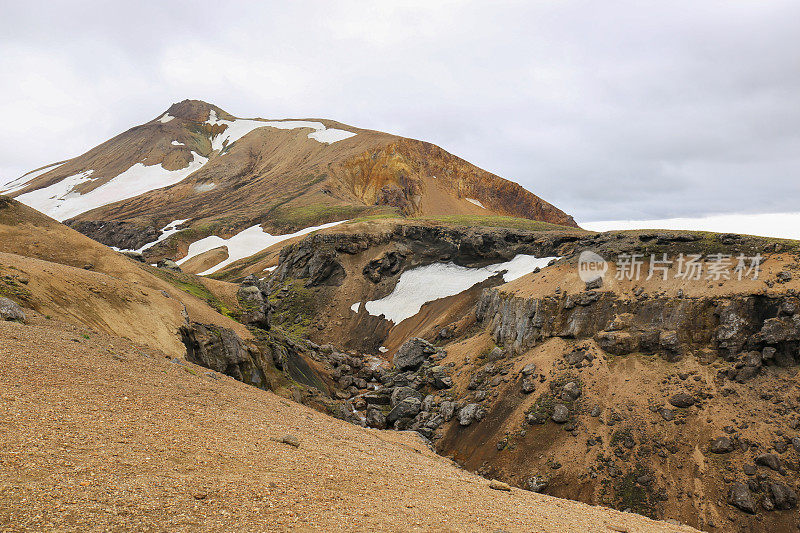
476, 202
238, 128
165, 118
166, 231
176, 143
244, 244
22, 181
780, 225
330, 135
61, 202
421, 285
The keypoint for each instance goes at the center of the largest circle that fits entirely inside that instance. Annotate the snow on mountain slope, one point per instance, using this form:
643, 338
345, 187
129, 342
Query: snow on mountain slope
244, 244
236, 129
421, 285
61, 201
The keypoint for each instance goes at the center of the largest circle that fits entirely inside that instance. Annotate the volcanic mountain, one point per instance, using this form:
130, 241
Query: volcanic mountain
198, 167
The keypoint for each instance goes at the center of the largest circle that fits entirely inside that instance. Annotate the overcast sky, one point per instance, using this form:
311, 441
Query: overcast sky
609, 110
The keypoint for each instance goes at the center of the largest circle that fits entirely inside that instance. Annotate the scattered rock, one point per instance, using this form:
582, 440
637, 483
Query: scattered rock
291, 440
721, 445
528, 385
770, 460
739, 496
782, 497
529, 369
560, 413
499, 485
536, 483
571, 391
9, 310
470, 413
682, 400
666, 414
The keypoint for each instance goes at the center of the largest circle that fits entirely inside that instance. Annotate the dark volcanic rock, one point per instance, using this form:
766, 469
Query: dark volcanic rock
413, 353
739, 496
682, 400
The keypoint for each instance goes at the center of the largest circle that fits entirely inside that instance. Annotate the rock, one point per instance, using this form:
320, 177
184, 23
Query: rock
536, 483
784, 276
375, 418
739, 496
437, 376
470, 413
136, 256
499, 485
447, 409
617, 342
407, 408
570, 392
721, 445
529, 369
770, 460
560, 413
401, 393
666, 414
575, 357
595, 283
169, 264
749, 470
217, 348
496, 354
682, 400
796, 444
9, 310
291, 440
783, 497
528, 385
413, 353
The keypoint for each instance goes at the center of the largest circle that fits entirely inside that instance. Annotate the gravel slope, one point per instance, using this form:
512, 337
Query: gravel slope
99, 434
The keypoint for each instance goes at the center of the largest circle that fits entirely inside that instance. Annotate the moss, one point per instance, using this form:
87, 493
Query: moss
294, 306
499, 221
629, 494
192, 285
542, 408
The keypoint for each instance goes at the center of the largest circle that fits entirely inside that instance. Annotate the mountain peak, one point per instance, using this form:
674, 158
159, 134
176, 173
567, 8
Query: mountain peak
196, 111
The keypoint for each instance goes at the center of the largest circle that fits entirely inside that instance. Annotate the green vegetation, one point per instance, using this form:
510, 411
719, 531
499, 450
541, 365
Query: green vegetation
542, 408
193, 285
294, 307
295, 217
497, 222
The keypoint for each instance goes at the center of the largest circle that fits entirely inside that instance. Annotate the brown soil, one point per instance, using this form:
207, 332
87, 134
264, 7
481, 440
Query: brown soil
101, 434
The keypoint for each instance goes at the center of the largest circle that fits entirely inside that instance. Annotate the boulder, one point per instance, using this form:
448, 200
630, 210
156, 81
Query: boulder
375, 418
407, 408
783, 498
413, 353
447, 409
739, 496
169, 264
570, 392
770, 460
529, 369
401, 393
528, 385
9, 310
721, 445
560, 413
536, 483
682, 400
470, 413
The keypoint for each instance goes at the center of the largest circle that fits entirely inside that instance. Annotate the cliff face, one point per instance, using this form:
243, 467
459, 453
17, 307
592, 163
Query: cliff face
408, 174
670, 327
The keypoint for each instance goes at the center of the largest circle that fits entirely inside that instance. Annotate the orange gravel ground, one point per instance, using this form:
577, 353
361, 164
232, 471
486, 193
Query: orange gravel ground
100, 434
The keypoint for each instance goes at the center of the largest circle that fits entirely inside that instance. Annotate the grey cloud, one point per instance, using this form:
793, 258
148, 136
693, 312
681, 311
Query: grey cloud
609, 110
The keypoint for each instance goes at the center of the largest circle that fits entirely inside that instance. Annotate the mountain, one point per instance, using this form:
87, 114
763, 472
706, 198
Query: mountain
200, 168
